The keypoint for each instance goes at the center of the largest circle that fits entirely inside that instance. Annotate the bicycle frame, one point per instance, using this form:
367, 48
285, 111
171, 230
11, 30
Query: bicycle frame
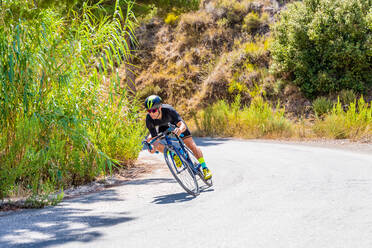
186, 155
189, 161
169, 145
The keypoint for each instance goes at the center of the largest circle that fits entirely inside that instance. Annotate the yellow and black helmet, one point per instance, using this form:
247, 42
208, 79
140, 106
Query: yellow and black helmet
153, 102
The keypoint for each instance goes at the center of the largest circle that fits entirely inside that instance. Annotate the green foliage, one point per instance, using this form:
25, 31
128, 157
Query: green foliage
262, 120
324, 45
43, 200
251, 22
347, 96
119, 131
214, 119
147, 9
64, 117
355, 123
237, 87
234, 10
322, 105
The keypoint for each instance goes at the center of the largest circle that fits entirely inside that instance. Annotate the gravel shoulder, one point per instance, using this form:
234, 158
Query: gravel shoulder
145, 165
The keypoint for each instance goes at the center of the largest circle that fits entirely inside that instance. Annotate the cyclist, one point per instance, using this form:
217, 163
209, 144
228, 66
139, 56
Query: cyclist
157, 119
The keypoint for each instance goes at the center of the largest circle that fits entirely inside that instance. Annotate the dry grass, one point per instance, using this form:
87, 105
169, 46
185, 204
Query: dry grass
261, 120
207, 56
197, 56
355, 123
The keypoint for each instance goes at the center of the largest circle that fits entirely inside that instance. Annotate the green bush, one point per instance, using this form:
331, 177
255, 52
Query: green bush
145, 9
347, 96
214, 120
322, 105
324, 45
258, 120
355, 123
251, 22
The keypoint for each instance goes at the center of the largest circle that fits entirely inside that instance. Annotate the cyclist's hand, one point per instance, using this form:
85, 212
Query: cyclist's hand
151, 147
177, 131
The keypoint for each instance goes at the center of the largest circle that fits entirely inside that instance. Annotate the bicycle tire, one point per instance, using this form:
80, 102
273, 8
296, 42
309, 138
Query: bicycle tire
195, 161
184, 176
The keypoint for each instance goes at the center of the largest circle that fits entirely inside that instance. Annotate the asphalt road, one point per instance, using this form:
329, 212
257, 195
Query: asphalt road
264, 195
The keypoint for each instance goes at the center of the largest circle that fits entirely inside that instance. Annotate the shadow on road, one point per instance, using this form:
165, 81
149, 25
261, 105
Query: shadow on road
173, 198
179, 197
151, 181
105, 195
59, 225
210, 141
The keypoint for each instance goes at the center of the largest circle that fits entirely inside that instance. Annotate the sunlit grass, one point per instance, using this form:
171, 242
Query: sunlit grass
355, 123
258, 120
261, 120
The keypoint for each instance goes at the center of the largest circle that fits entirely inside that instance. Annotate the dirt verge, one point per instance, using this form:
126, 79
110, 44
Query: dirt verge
145, 164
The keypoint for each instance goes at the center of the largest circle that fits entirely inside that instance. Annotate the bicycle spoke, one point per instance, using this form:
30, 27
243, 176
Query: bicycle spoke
184, 176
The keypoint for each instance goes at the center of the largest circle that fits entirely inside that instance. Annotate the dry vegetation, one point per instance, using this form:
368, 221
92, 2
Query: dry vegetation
199, 57
221, 52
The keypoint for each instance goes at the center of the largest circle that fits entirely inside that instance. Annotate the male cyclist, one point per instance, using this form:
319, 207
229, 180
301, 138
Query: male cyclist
157, 119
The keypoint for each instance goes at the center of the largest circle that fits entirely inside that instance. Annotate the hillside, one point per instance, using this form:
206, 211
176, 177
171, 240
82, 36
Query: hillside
217, 52
214, 53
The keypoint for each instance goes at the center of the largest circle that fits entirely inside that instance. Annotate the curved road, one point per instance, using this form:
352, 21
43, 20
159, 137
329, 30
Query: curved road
265, 195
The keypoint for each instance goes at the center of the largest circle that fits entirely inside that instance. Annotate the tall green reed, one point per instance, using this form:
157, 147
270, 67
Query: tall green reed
62, 105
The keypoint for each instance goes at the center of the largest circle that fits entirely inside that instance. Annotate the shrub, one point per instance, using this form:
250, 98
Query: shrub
347, 96
355, 123
237, 87
234, 10
257, 120
214, 119
324, 45
322, 105
147, 9
251, 22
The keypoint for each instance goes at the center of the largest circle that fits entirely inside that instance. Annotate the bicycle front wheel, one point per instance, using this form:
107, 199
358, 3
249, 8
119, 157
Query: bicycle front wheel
183, 174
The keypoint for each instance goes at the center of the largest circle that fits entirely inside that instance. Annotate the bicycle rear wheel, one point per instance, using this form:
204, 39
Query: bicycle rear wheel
183, 175
195, 162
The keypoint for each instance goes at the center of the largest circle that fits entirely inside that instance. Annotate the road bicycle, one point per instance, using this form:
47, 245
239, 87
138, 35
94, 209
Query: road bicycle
186, 174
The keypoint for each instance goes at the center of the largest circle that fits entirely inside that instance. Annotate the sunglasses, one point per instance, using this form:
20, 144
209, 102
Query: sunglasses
152, 110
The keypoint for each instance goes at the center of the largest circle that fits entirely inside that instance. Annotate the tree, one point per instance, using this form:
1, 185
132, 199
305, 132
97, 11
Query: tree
324, 46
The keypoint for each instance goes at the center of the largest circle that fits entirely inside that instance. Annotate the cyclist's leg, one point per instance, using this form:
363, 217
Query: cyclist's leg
159, 146
193, 147
189, 142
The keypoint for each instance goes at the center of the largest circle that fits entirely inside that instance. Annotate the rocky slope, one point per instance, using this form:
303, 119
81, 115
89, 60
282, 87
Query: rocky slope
214, 53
